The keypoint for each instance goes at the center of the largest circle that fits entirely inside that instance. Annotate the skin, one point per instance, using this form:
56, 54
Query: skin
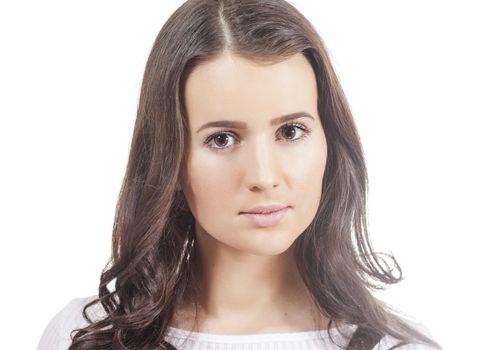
249, 280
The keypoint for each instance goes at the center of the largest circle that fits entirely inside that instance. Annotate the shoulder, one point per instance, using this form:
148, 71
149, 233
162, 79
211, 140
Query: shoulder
388, 341
56, 335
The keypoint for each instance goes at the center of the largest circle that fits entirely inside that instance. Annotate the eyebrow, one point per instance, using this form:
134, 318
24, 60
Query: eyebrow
242, 125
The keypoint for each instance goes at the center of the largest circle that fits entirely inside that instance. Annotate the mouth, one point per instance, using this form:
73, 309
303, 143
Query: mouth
265, 209
266, 219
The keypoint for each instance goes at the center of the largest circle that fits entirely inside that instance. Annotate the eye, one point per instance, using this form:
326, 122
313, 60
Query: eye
220, 140
295, 127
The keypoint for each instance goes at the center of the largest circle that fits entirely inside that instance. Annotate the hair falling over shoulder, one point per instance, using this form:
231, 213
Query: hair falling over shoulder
153, 247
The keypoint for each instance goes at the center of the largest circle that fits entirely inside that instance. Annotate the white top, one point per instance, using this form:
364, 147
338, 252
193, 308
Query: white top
56, 335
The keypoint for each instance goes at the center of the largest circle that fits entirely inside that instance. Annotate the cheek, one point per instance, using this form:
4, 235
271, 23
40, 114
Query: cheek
307, 174
208, 182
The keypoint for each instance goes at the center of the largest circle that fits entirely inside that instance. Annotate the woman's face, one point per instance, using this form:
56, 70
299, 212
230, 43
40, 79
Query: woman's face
253, 161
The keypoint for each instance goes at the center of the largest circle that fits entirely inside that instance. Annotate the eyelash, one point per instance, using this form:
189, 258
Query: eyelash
306, 132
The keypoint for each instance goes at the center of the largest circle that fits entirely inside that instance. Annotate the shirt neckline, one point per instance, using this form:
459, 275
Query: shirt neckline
244, 338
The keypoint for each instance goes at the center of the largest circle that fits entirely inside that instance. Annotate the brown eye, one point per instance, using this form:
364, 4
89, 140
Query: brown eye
291, 132
288, 131
220, 141
222, 138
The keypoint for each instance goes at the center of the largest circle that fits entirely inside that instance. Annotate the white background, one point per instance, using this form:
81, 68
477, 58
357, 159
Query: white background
70, 75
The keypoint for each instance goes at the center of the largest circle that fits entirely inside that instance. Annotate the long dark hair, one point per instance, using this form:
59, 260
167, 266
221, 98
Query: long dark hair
153, 245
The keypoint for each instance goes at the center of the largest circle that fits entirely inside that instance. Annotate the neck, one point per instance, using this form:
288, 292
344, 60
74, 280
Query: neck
240, 292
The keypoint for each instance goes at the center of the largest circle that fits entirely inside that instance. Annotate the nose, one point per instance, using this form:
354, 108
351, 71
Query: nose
262, 167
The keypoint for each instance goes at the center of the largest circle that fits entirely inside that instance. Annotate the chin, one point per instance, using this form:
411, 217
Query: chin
266, 247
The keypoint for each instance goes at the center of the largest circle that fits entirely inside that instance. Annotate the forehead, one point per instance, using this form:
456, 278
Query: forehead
233, 87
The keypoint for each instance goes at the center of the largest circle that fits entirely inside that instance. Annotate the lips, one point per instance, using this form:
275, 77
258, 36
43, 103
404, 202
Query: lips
267, 219
265, 209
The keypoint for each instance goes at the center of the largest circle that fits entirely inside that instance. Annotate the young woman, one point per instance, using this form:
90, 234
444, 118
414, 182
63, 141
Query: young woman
241, 221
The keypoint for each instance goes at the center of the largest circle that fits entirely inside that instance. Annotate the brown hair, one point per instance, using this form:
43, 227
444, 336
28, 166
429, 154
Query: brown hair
153, 247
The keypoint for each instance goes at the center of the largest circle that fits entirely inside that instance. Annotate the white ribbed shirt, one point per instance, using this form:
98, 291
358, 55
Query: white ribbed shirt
56, 335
